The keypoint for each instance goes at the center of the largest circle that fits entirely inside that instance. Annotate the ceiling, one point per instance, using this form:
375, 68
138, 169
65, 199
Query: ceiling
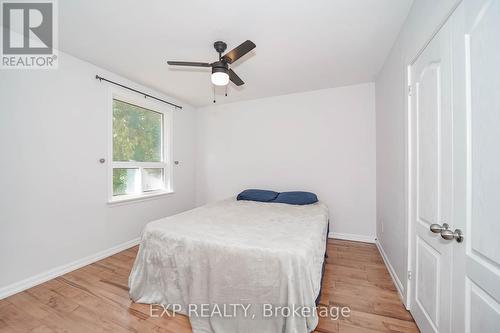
301, 45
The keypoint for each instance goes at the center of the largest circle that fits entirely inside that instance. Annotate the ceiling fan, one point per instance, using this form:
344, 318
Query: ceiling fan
221, 73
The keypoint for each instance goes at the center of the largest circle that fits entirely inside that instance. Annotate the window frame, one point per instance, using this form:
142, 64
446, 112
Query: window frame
167, 155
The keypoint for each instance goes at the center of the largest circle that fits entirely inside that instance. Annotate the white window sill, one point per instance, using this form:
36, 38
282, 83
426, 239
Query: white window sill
130, 199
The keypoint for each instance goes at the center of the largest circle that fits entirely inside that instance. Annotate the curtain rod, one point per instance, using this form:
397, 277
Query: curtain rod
100, 78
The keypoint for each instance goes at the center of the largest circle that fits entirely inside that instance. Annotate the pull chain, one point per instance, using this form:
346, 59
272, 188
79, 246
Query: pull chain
226, 90
214, 92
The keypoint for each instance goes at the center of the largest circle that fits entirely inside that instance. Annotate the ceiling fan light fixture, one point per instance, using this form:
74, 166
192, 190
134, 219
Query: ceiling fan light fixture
220, 77
221, 73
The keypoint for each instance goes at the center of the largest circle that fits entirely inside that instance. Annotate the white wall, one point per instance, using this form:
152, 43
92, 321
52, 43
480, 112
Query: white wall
391, 109
321, 141
53, 190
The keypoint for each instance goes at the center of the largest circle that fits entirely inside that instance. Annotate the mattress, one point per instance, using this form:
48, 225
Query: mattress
235, 266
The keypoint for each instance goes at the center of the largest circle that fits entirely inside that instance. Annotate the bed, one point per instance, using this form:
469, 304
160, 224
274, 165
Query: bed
232, 255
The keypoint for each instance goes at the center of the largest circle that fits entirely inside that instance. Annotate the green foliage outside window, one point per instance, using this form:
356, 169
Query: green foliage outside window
120, 180
137, 136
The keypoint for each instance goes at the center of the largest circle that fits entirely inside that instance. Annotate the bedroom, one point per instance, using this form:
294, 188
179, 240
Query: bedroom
369, 127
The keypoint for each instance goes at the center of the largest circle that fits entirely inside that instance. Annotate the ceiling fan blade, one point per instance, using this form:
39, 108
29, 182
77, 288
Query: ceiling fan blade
188, 63
239, 51
235, 78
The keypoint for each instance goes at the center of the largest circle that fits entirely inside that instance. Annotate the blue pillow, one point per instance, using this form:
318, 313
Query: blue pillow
296, 198
257, 195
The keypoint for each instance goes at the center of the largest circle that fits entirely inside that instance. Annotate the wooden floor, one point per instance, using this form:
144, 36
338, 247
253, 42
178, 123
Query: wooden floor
95, 298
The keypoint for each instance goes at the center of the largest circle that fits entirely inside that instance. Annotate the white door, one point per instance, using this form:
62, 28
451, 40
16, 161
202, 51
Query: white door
455, 164
476, 285
431, 140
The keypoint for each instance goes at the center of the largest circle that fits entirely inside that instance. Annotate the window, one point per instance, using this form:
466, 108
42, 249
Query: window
140, 149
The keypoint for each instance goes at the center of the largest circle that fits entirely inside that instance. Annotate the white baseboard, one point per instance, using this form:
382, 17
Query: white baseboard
16, 287
392, 272
352, 237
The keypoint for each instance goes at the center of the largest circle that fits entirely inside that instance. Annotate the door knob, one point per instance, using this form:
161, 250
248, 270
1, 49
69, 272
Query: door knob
449, 235
436, 228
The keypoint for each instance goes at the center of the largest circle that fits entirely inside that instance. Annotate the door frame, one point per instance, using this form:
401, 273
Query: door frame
408, 158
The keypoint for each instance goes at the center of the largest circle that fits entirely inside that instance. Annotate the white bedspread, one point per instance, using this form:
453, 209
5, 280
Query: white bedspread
235, 252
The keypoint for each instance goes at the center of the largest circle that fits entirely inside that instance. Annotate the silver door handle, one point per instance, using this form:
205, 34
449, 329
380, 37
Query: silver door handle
436, 228
450, 235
